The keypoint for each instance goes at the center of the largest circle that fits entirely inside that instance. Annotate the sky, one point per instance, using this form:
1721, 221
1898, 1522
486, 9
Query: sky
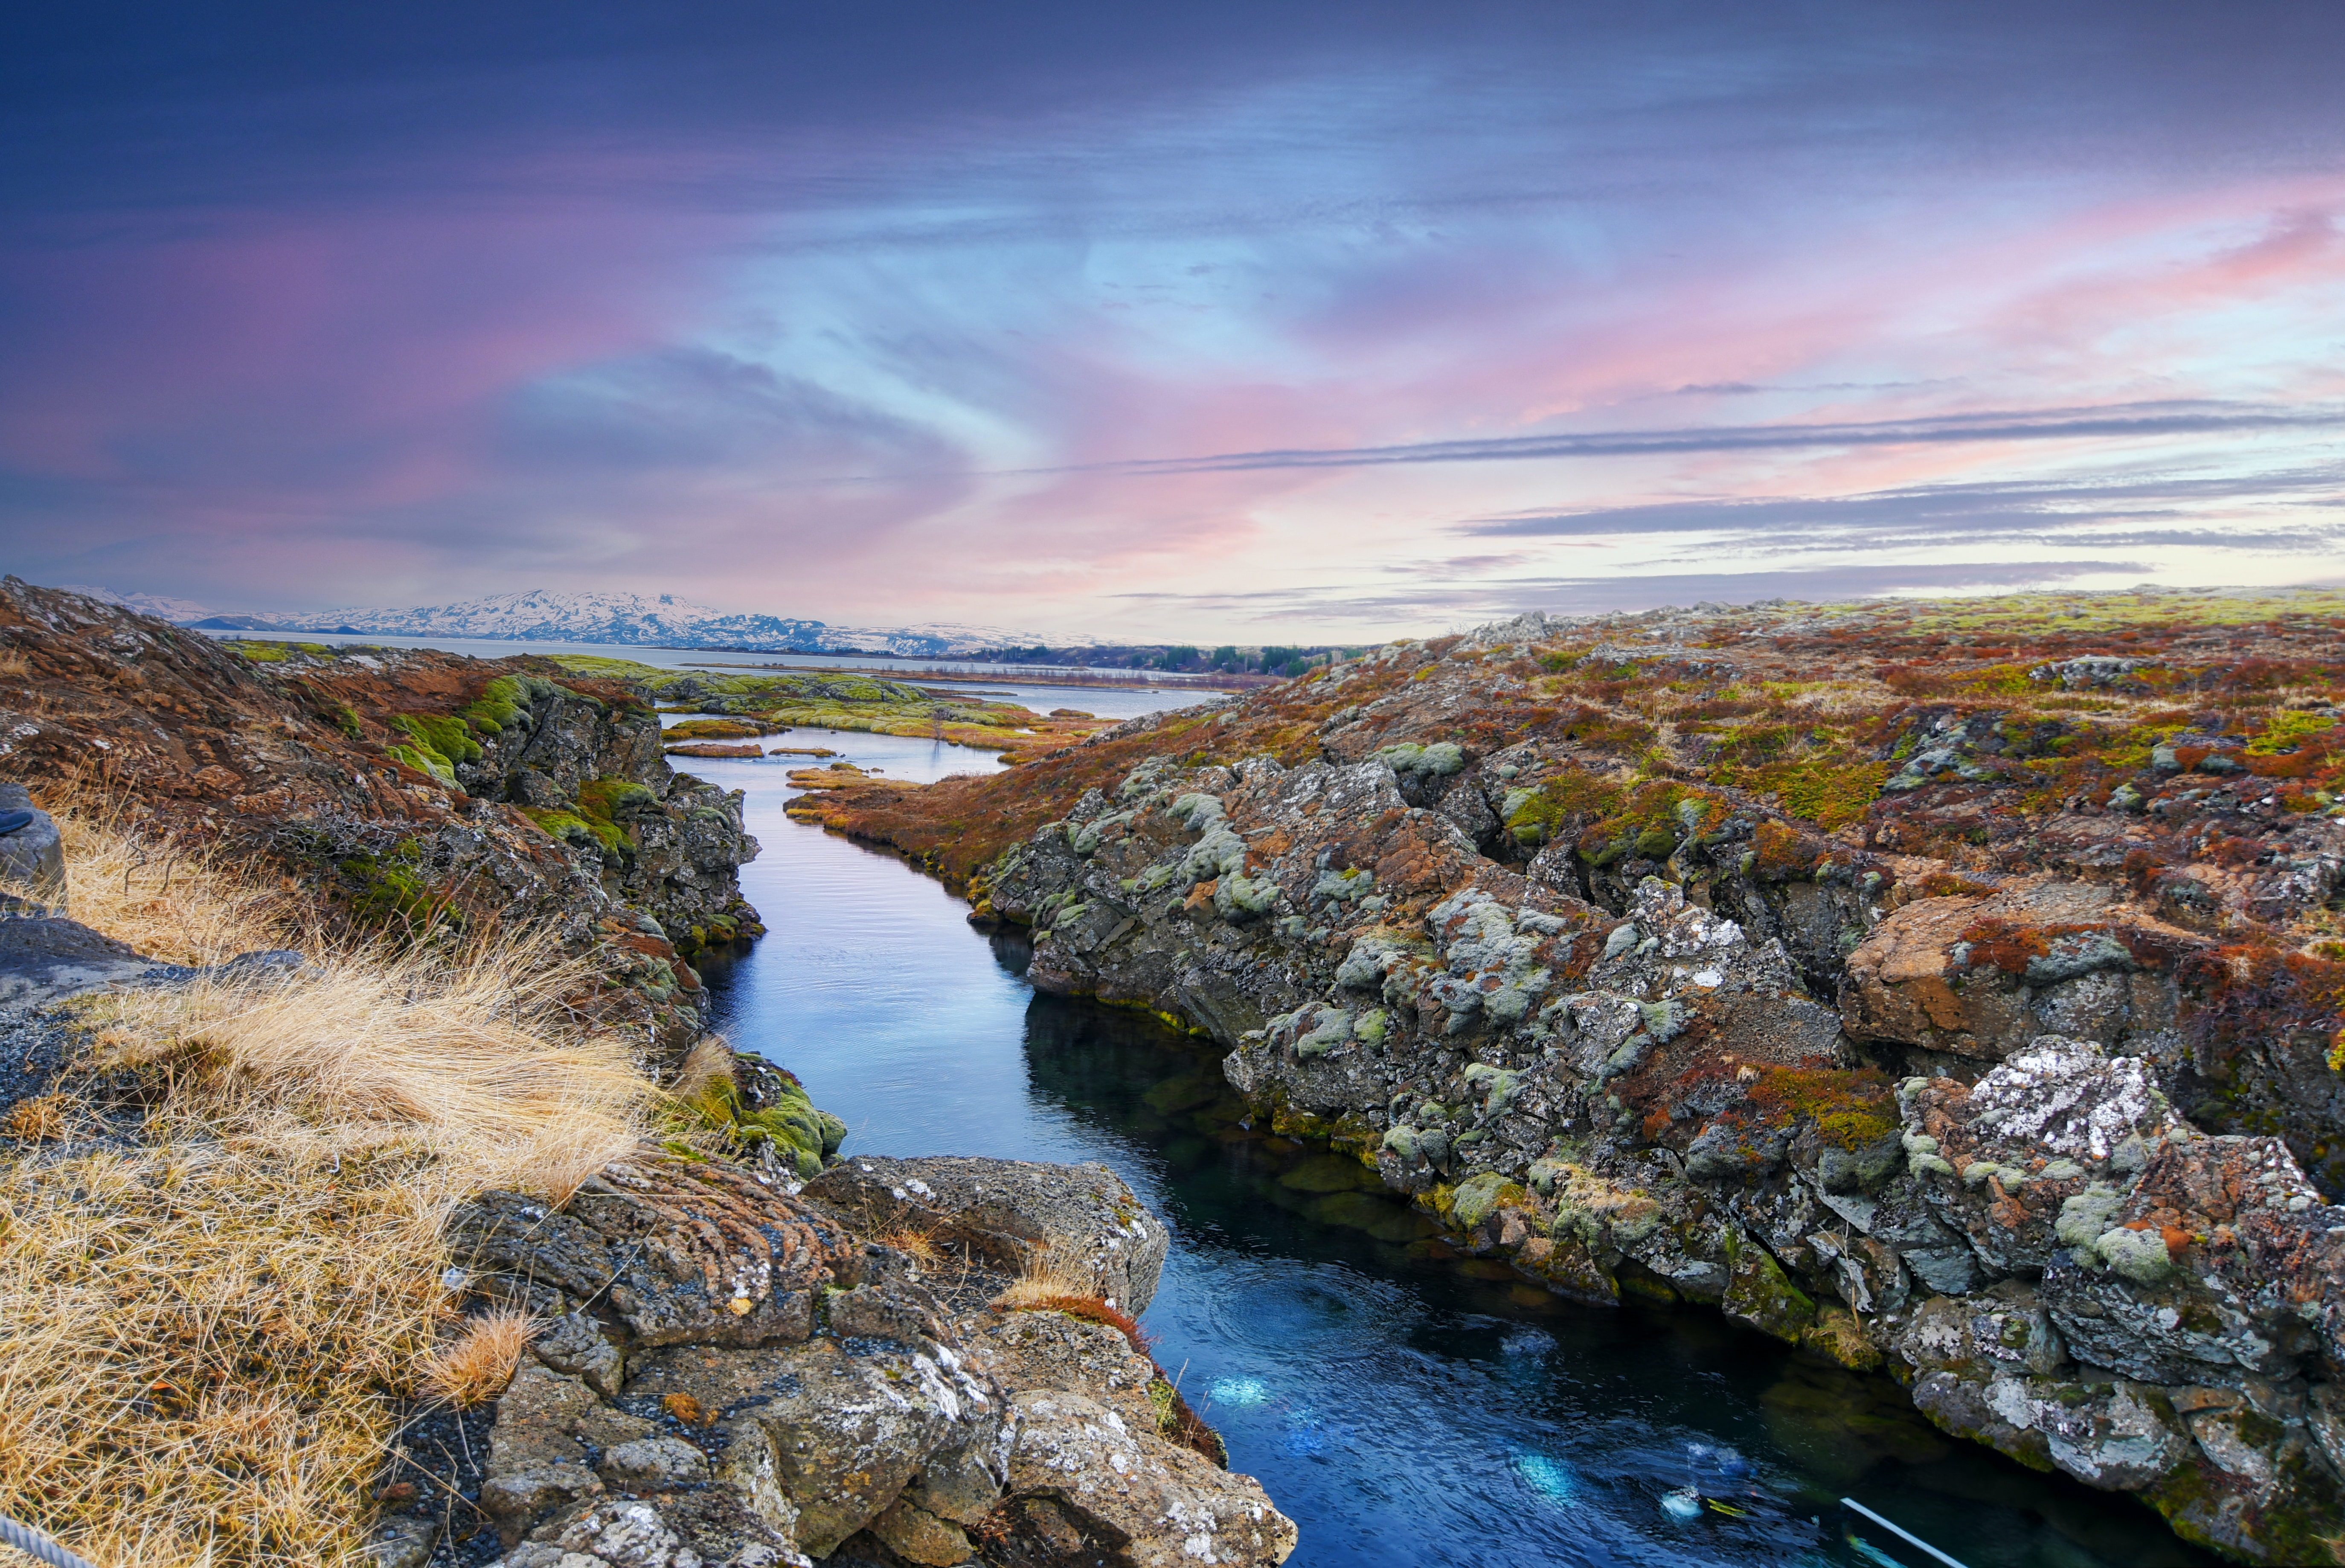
1260, 321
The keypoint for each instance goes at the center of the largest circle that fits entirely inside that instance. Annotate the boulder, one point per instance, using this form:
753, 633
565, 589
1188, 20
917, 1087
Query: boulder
2114, 1434
1082, 1219
673, 1251
32, 862
1981, 977
540, 1450
1130, 1499
46, 960
819, 1440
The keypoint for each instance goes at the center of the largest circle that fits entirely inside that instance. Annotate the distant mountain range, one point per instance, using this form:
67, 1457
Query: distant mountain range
629, 618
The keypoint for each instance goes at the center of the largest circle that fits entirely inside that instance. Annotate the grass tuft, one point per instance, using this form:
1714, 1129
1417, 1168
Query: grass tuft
169, 899
475, 1368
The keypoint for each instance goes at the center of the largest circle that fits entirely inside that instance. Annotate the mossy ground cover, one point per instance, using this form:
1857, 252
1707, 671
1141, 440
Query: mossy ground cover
596, 822
823, 700
1810, 713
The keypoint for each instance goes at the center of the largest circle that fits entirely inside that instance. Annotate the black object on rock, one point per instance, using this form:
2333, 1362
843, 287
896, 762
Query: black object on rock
16, 821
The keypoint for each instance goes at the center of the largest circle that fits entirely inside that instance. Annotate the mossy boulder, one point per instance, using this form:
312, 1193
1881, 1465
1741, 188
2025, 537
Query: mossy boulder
1477, 1198
1761, 1294
774, 1109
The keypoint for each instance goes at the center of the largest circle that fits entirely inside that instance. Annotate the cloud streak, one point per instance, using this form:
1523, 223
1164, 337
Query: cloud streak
2119, 422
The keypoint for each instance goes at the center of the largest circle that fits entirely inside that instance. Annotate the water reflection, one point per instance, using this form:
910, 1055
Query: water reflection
1404, 1404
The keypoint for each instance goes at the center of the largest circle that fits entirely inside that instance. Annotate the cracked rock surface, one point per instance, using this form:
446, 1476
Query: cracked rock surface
734, 1375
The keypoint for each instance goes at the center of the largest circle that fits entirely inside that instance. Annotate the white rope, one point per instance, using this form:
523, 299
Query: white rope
27, 1539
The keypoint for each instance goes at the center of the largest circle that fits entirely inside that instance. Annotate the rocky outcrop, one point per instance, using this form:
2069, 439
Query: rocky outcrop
1079, 1222
1979, 977
737, 1372
408, 791
2029, 1128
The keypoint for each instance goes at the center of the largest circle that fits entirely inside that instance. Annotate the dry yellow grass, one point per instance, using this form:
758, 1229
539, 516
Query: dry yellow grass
174, 901
475, 1366
1045, 1281
709, 1062
207, 1336
37, 1121
918, 1245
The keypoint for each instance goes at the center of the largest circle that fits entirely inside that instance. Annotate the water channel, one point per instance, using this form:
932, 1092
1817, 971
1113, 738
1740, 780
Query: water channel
1402, 1405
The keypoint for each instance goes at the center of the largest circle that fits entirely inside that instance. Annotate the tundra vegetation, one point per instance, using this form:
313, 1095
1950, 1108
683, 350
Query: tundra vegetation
835, 701
1954, 988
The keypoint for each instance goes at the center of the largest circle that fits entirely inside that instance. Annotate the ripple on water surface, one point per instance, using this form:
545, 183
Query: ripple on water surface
1400, 1404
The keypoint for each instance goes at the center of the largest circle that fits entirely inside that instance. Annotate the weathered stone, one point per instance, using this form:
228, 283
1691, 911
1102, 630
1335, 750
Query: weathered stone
402, 1540
1056, 1351
705, 1253
613, 1534
1082, 1217
653, 1464
914, 1534
1984, 976
536, 1460
577, 1344
1161, 1506
2119, 1436
817, 1439
32, 863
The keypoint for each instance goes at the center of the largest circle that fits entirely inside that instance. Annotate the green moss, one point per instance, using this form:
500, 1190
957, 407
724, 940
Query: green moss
1761, 1294
260, 653
792, 1125
1477, 1198
445, 734
440, 743
1535, 815
570, 826
2284, 730
594, 817
425, 761
394, 893
504, 701
1834, 797
603, 799
1654, 820
346, 719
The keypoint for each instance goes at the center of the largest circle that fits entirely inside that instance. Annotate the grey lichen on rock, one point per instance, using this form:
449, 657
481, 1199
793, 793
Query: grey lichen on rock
733, 1432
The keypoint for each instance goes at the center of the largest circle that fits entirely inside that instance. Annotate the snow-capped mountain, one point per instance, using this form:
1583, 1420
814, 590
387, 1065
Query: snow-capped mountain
542, 616
180, 612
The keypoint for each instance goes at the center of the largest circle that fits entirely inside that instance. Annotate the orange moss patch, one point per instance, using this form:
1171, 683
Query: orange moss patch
1850, 1109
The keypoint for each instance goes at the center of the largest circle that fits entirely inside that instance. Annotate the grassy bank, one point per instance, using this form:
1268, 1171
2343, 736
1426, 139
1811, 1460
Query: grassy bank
219, 1241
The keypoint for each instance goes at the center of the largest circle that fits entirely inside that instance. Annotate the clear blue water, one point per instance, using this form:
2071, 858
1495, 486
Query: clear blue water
1400, 1409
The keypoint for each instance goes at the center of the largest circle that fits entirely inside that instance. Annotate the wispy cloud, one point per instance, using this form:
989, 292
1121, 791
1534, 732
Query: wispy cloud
1169, 321
1978, 512
1632, 592
2121, 421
